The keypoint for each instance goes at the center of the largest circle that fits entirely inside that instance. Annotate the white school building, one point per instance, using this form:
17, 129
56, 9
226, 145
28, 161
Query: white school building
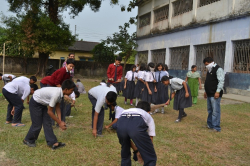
181, 33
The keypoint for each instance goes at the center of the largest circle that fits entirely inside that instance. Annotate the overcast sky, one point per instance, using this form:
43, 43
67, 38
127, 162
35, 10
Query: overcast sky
91, 26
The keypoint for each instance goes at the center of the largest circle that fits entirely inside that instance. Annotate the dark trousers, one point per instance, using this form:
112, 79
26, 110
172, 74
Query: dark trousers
181, 113
135, 128
100, 115
65, 110
40, 118
14, 100
43, 85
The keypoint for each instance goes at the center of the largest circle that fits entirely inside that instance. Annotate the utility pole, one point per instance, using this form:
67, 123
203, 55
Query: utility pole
3, 56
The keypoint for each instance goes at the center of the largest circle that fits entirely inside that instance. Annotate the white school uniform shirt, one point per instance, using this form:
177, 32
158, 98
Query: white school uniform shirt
73, 96
141, 75
22, 79
176, 83
20, 88
166, 73
118, 112
99, 93
5, 77
48, 96
146, 117
130, 74
149, 76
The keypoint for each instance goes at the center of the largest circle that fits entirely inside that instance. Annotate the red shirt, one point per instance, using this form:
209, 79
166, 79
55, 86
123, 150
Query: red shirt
57, 77
111, 72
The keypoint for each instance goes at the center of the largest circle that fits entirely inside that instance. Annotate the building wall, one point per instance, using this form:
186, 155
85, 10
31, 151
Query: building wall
199, 15
59, 54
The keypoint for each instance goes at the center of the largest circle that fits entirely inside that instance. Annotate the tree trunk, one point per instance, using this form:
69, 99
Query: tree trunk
124, 66
42, 64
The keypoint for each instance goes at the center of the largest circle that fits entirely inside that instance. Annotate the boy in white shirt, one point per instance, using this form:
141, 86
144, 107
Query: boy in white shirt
115, 116
136, 124
6, 78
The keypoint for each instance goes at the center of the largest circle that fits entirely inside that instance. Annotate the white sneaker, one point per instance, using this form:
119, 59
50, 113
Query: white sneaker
162, 111
132, 104
70, 116
125, 102
156, 110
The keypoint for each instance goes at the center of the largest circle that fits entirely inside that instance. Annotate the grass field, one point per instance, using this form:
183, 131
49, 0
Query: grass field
185, 143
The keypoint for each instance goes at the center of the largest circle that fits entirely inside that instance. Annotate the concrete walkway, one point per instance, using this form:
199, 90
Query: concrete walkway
245, 99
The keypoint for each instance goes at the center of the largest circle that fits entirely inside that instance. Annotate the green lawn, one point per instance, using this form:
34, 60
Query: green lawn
185, 143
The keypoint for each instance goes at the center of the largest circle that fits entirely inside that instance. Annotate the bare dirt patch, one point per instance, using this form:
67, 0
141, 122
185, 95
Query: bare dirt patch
4, 161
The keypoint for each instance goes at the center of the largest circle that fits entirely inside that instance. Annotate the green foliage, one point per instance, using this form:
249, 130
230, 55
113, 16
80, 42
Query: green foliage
103, 53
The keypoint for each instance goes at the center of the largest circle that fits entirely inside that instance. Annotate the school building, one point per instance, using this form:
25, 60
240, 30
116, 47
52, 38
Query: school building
181, 33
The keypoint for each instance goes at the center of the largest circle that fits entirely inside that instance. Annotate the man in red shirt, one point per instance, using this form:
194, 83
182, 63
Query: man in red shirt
114, 73
60, 75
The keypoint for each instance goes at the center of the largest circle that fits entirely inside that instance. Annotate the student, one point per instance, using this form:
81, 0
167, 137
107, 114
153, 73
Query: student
137, 68
129, 85
193, 79
7, 78
70, 56
161, 89
15, 93
140, 83
136, 124
148, 93
115, 116
181, 94
41, 106
60, 75
114, 73
26, 80
98, 96
213, 92
73, 96
80, 87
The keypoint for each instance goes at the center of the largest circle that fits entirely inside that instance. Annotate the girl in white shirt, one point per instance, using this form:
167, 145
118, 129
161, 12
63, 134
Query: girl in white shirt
140, 83
129, 85
149, 93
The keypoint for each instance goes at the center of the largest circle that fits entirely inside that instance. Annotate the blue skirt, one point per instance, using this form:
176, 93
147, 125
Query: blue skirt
162, 93
129, 91
147, 97
138, 89
180, 101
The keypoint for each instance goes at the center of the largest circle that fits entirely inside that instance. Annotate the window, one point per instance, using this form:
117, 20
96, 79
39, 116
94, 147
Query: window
206, 2
62, 58
143, 57
241, 56
158, 56
179, 58
161, 13
182, 6
144, 20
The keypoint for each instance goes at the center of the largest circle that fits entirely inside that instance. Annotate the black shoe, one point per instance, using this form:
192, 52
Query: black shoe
60, 145
29, 144
184, 115
177, 120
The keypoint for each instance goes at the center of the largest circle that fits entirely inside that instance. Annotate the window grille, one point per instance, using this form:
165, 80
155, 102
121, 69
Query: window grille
182, 6
179, 58
206, 2
161, 13
144, 20
143, 57
158, 56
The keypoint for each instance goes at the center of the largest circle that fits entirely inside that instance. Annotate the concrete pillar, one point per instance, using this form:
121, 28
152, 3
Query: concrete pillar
167, 57
229, 56
170, 13
149, 56
192, 57
136, 58
195, 5
152, 16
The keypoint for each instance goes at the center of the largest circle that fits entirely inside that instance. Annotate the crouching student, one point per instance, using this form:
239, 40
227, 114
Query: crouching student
7, 78
15, 93
115, 116
41, 106
137, 125
181, 94
98, 96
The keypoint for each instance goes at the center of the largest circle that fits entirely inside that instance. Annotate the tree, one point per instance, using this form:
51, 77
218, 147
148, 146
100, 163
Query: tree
124, 42
103, 53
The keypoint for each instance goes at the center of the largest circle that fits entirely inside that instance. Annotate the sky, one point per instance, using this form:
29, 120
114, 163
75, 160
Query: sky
93, 26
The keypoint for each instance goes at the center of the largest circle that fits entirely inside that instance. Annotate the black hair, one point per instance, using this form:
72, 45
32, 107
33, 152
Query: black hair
114, 104
78, 80
104, 81
70, 61
166, 78
1, 74
193, 66
33, 78
144, 105
159, 64
208, 59
151, 64
118, 58
133, 66
77, 94
34, 86
111, 96
68, 84
71, 54
142, 67
165, 67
